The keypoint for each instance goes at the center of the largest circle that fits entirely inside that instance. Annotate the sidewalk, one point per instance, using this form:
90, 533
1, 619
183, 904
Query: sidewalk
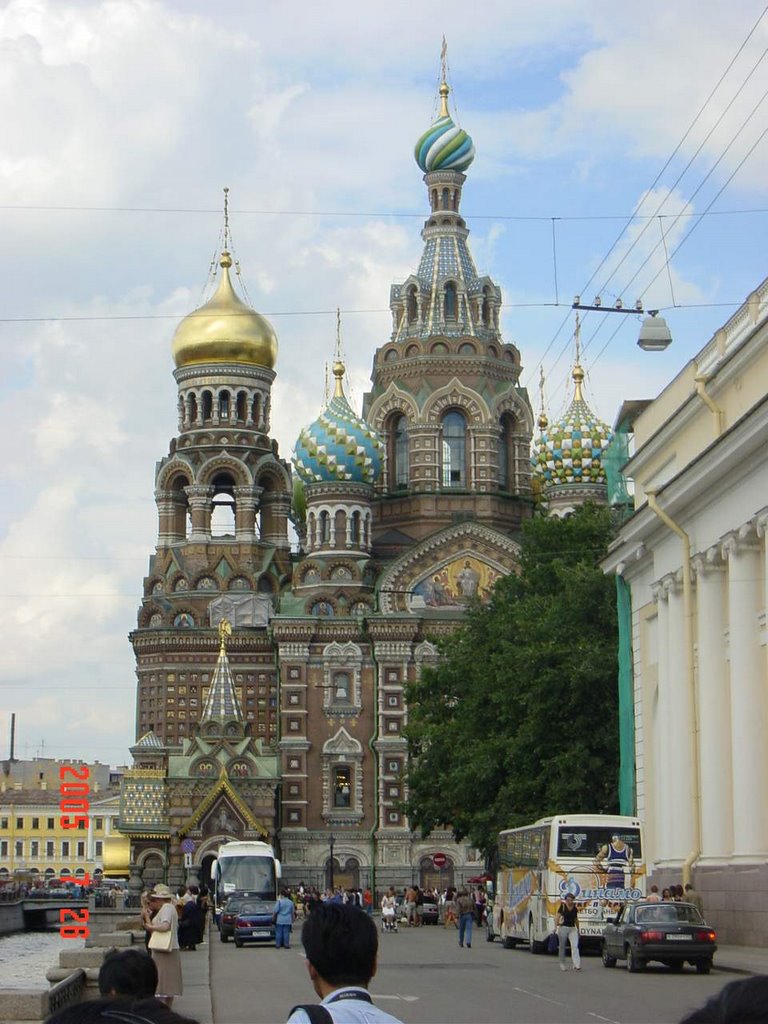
742, 959
196, 970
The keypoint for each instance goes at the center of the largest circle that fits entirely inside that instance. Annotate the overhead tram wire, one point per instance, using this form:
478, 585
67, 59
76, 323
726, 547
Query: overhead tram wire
542, 218
696, 223
685, 170
677, 217
656, 180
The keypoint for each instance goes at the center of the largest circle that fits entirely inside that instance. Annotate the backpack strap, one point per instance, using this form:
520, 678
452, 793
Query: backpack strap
317, 1014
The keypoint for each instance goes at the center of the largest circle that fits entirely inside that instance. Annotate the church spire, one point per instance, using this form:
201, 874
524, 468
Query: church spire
222, 700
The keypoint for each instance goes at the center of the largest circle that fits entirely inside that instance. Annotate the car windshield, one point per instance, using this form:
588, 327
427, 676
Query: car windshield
669, 913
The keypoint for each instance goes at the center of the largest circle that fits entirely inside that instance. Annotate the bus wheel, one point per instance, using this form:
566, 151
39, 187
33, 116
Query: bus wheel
533, 945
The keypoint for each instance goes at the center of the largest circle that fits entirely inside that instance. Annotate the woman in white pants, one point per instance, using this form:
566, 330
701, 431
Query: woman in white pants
567, 921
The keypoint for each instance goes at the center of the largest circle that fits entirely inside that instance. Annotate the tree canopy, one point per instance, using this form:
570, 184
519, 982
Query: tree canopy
520, 718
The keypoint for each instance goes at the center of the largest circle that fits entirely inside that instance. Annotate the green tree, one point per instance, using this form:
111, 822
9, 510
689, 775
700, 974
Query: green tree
520, 718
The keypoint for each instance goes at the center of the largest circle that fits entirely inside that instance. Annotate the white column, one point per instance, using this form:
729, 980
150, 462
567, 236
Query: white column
714, 707
679, 781
662, 809
749, 720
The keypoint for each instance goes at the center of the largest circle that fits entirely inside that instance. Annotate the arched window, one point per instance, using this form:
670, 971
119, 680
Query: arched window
241, 401
399, 453
256, 410
223, 506
410, 304
207, 405
224, 405
325, 529
193, 409
486, 307
446, 199
340, 693
506, 428
451, 304
454, 450
355, 528
342, 786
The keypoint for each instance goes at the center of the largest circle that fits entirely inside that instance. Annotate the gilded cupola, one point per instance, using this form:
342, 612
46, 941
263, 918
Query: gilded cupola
225, 330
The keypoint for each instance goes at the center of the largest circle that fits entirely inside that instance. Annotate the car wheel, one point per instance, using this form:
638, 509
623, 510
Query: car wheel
703, 966
608, 960
238, 943
224, 937
634, 963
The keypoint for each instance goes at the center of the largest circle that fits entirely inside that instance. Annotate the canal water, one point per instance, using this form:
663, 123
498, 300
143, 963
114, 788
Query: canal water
26, 956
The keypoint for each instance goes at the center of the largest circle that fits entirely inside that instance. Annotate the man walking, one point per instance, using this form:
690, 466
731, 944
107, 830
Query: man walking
341, 944
465, 907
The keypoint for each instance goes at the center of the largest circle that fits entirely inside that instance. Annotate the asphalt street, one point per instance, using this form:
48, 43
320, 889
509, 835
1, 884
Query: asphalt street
425, 978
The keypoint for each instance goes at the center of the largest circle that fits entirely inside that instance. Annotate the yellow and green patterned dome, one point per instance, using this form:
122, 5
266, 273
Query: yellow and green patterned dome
338, 446
571, 450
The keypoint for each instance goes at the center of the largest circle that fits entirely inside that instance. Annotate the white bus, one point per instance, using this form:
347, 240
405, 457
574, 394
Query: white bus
599, 858
248, 868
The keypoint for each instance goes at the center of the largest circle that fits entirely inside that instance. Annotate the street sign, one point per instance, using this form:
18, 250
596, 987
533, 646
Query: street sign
439, 860
187, 846
187, 860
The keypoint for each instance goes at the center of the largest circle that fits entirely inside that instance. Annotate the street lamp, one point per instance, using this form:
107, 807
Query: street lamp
331, 841
654, 336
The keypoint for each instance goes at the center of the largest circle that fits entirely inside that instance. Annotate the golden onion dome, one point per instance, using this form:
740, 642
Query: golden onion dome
225, 330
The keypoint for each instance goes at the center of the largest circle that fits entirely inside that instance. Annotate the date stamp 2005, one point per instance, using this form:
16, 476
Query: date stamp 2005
74, 806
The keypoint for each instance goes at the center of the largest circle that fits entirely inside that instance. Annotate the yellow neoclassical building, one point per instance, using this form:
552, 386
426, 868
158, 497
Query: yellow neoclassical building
34, 846
691, 564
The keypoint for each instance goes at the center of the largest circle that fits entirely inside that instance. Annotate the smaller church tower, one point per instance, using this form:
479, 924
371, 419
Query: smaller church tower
338, 459
568, 455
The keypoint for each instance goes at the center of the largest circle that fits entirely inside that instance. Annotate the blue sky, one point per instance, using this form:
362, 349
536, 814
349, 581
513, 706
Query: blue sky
122, 122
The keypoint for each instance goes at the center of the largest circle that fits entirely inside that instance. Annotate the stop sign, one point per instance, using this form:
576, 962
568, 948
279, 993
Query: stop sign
439, 860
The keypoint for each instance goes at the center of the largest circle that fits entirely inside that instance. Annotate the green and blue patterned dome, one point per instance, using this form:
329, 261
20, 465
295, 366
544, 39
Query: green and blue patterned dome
444, 146
571, 451
338, 446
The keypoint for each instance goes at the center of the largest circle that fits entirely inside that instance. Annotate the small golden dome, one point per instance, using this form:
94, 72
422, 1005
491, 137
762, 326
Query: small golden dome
225, 330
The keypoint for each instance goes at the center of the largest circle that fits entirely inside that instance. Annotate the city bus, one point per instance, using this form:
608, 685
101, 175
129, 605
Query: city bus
248, 869
599, 858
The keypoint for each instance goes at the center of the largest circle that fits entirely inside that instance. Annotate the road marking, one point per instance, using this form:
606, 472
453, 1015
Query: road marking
597, 1016
536, 995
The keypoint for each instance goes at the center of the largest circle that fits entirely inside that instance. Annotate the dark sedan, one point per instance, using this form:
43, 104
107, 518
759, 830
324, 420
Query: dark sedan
672, 933
254, 922
228, 916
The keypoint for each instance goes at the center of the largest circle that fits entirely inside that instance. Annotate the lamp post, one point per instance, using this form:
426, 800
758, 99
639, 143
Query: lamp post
331, 841
654, 335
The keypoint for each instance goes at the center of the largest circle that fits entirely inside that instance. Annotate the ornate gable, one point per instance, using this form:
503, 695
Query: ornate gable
448, 570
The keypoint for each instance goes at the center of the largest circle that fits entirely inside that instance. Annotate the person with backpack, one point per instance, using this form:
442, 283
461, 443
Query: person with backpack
341, 946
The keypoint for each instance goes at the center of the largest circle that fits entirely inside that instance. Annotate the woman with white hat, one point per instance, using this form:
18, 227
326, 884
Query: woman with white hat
164, 942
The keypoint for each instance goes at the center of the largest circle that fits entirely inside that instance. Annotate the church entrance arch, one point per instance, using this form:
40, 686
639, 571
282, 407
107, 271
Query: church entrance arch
346, 874
205, 869
431, 877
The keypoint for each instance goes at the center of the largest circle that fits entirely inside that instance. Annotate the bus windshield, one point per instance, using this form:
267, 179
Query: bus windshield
588, 840
254, 875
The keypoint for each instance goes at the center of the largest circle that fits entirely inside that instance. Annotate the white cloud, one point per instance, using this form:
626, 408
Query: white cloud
132, 103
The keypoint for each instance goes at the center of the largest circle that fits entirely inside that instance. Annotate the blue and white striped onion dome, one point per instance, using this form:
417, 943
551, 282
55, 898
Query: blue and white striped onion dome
571, 450
444, 146
338, 446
